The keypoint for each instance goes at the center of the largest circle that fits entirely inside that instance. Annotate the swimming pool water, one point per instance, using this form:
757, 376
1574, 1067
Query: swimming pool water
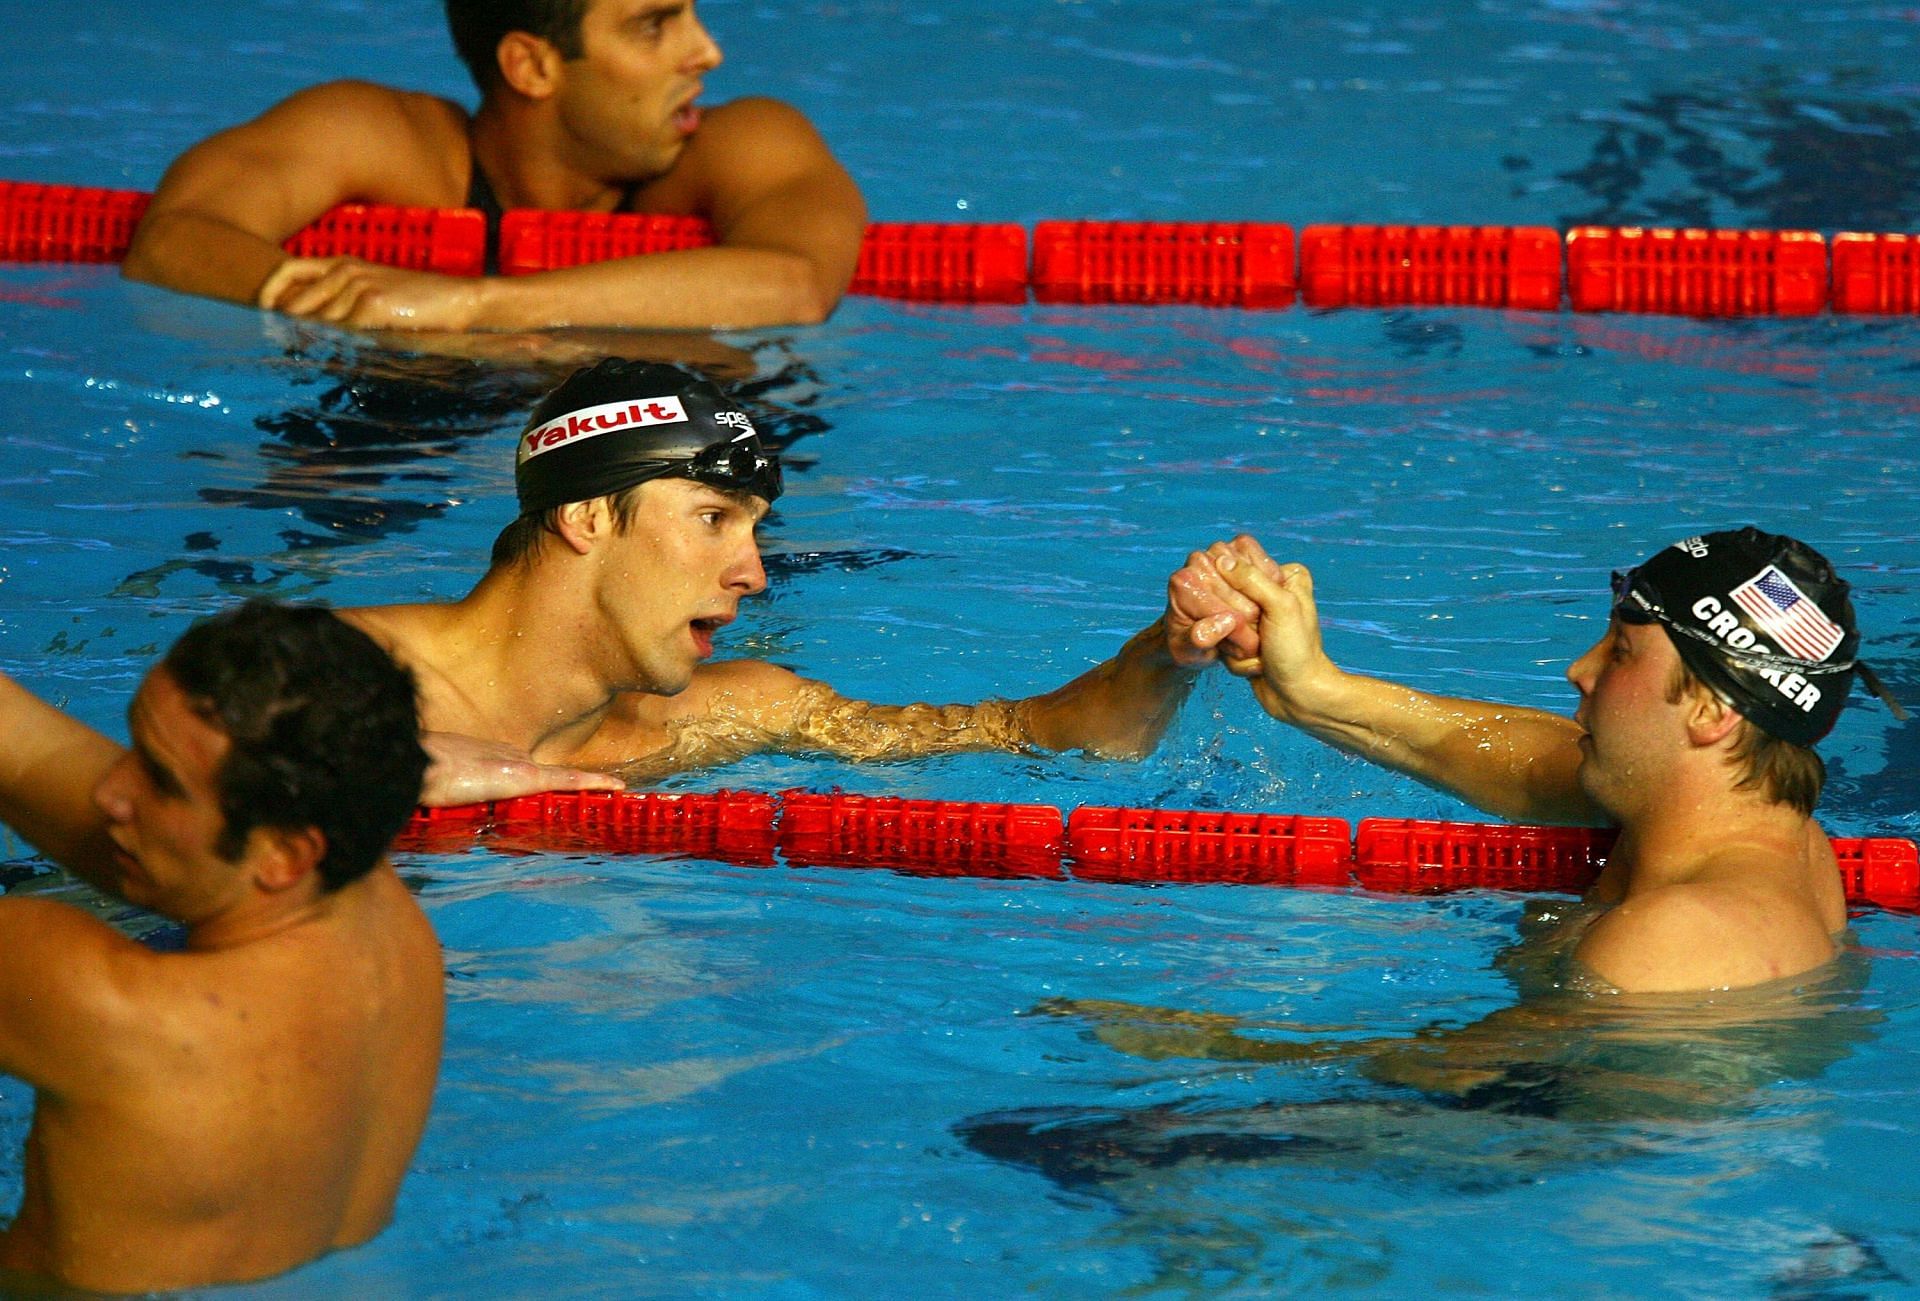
667, 1077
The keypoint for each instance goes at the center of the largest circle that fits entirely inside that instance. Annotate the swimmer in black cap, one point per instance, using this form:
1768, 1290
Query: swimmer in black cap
586, 643
1726, 657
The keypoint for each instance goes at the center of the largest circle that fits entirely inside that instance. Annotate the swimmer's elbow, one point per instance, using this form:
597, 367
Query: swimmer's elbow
796, 290
815, 310
143, 262
804, 300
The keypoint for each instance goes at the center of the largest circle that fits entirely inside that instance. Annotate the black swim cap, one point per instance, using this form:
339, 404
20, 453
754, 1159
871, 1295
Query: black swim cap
621, 423
1761, 619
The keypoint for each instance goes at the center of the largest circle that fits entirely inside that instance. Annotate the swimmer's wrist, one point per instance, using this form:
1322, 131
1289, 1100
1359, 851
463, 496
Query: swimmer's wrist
1321, 694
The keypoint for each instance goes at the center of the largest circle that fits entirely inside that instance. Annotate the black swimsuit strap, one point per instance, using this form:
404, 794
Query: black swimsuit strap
480, 195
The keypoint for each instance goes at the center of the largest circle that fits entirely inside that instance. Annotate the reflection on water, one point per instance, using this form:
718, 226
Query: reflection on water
1767, 154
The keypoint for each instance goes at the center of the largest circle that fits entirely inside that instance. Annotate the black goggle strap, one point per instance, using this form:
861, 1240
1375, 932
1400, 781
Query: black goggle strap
1871, 681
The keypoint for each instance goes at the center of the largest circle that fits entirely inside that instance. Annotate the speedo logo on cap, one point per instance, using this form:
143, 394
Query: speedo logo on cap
607, 418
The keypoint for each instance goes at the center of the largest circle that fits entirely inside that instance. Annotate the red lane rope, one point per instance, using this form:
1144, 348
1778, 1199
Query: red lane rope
1221, 264
1095, 843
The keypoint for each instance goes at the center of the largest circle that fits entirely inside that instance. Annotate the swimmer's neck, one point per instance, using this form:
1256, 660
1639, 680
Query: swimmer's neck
521, 660
530, 163
1682, 841
262, 915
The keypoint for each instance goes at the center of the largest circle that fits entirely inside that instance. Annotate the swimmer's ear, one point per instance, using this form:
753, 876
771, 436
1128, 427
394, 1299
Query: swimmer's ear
1710, 719
283, 857
582, 523
529, 65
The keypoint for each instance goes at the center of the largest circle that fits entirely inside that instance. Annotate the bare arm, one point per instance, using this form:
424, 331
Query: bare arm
63, 982
222, 211
1118, 709
1511, 761
787, 221
49, 766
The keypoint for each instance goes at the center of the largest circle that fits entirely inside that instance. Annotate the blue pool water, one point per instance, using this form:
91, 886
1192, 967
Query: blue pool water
672, 1078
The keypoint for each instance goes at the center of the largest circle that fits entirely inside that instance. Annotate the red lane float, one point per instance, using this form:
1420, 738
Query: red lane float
927, 837
451, 241
1113, 844
1697, 272
1225, 264
933, 261
943, 262
964, 838
1413, 856
1876, 273
1217, 264
67, 223
732, 826
1431, 266
532, 241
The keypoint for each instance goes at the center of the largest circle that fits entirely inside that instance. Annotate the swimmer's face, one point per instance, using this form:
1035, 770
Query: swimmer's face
676, 576
627, 103
1631, 725
162, 804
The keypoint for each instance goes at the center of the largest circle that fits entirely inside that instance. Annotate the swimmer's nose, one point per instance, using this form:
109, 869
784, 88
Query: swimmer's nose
110, 793
706, 55
1580, 672
748, 575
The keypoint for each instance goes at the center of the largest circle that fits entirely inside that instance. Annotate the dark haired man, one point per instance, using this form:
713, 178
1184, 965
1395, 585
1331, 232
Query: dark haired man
584, 104
640, 490
1726, 657
233, 1109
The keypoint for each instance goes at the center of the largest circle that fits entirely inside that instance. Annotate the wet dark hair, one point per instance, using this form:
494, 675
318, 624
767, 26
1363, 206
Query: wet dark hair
322, 727
519, 540
1781, 771
478, 27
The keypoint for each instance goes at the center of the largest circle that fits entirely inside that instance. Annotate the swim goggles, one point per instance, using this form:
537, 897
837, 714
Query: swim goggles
742, 465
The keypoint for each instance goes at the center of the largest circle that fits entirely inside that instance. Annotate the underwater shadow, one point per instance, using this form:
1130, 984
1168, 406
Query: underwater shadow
1765, 154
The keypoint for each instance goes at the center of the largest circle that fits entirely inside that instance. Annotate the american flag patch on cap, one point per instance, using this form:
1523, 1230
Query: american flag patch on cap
1785, 614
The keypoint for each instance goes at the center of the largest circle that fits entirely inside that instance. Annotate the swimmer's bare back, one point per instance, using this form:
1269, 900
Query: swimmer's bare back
227, 1115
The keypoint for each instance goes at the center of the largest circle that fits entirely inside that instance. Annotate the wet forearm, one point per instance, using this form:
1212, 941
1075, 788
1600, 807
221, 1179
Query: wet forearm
198, 253
705, 288
1508, 760
1118, 709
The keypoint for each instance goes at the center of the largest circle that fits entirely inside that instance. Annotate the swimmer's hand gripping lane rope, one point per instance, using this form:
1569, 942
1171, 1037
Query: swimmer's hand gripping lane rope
1148, 846
1220, 264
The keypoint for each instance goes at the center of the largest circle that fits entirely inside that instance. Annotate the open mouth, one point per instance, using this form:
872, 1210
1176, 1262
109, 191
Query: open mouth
704, 629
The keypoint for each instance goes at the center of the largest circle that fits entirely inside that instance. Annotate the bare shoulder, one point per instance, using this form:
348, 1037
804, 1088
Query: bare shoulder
1705, 934
735, 687
384, 110
729, 710
743, 149
403, 631
372, 142
761, 120
70, 986
728, 686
